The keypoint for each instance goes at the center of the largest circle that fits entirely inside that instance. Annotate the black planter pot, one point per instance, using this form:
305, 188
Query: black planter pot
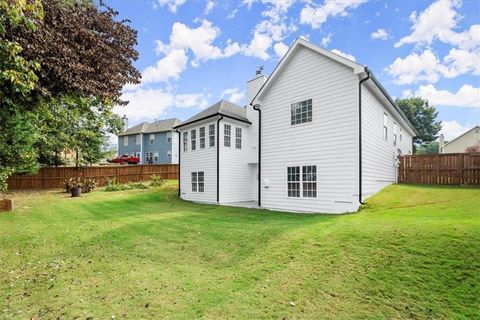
76, 192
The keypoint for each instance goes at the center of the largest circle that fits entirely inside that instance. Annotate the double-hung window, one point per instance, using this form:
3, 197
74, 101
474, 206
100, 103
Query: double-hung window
301, 112
193, 139
155, 156
302, 181
227, 133
138, 139
385, 128
202, 137
401, 135
198, 181
238, 138
211, 135
185, 141
394, 134
152, 138
169, 137
125, 141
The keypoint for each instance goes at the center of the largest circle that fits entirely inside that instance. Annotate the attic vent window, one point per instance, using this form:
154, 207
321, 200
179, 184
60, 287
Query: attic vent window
301, 112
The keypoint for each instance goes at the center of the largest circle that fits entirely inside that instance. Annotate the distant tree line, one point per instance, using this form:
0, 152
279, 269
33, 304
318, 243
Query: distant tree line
63, 64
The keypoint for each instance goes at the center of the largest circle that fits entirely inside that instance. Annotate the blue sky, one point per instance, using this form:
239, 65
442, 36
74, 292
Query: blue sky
193, 53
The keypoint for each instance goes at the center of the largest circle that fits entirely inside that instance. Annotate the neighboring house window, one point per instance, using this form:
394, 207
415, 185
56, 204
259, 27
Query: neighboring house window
211, 135
169, 153
227, 133
394, 134
137, 155
149, 157
131, 154
169, 137
385, 128
302, 183
198, 181
202, 137
155, 157
185, 141
301, 112
152, 138
293, 181
238, 138
138, 139
309, 179
193, 139
125, 141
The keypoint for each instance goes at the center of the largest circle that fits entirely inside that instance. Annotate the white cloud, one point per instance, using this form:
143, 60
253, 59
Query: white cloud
429, 68
280, 49
466, 96
233, 95
315, 16
209, 7
453, 129
259, 46
153, 103
379, 34
232, 14
172, 5
171, 66
416, 67
438, 22
407, 93
343, 54
326, 40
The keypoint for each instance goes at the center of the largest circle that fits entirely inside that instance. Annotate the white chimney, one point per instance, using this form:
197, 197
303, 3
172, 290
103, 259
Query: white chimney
441, 143
125, 123
254, 85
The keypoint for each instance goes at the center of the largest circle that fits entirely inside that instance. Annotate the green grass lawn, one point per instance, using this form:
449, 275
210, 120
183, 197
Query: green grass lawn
412, 252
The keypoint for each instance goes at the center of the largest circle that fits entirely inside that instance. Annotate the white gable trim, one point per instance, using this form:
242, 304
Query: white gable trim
357, 68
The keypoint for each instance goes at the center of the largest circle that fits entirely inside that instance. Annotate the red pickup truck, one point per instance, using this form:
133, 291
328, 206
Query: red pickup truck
125, 159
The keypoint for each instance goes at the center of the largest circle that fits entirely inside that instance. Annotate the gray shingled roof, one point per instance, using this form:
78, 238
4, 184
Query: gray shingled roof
157, 126
221, 108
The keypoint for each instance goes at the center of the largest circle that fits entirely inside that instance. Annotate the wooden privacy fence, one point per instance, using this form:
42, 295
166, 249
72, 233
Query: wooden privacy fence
53, 177
450, 168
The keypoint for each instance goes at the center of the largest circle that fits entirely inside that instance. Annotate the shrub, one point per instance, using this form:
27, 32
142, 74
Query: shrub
113, 185
156, 181
87, 185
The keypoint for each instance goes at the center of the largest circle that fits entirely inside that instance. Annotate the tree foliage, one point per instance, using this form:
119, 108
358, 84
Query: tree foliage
423, 117
81, 50
429, 148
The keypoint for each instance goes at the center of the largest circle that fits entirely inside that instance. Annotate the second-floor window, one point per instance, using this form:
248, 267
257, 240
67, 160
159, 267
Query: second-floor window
138, 139
202, 137
238, 138
185, 141
227, 134
385, 126
125, 141
193, 139
169, 137
211, 135
401, 135
152, 138
301, 112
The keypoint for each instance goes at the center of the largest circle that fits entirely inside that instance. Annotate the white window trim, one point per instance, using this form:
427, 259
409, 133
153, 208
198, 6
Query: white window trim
210, 136
197, 182
169, 136
125, 141
185, 143
229, 136
192, 140
301, 181
385, 127
138, 139
290, 113
200, 137
150, 138
236, 138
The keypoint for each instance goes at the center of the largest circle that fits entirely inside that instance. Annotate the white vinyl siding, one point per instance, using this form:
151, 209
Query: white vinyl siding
330, 142
211, 135
301, 112
227, 134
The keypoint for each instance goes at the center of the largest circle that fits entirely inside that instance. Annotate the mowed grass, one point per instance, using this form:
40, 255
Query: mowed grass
412, 252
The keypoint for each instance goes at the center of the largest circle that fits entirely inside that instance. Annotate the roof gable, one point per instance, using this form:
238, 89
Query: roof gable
157, 126
463, 134
301, 42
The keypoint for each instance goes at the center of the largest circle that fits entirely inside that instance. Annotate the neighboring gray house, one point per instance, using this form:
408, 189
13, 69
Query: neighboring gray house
153, 143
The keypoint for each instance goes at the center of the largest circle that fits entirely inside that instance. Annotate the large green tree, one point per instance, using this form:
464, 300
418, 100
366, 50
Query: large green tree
423, 117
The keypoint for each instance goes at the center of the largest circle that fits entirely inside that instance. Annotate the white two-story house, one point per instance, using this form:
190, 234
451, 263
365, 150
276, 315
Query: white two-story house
320, 134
